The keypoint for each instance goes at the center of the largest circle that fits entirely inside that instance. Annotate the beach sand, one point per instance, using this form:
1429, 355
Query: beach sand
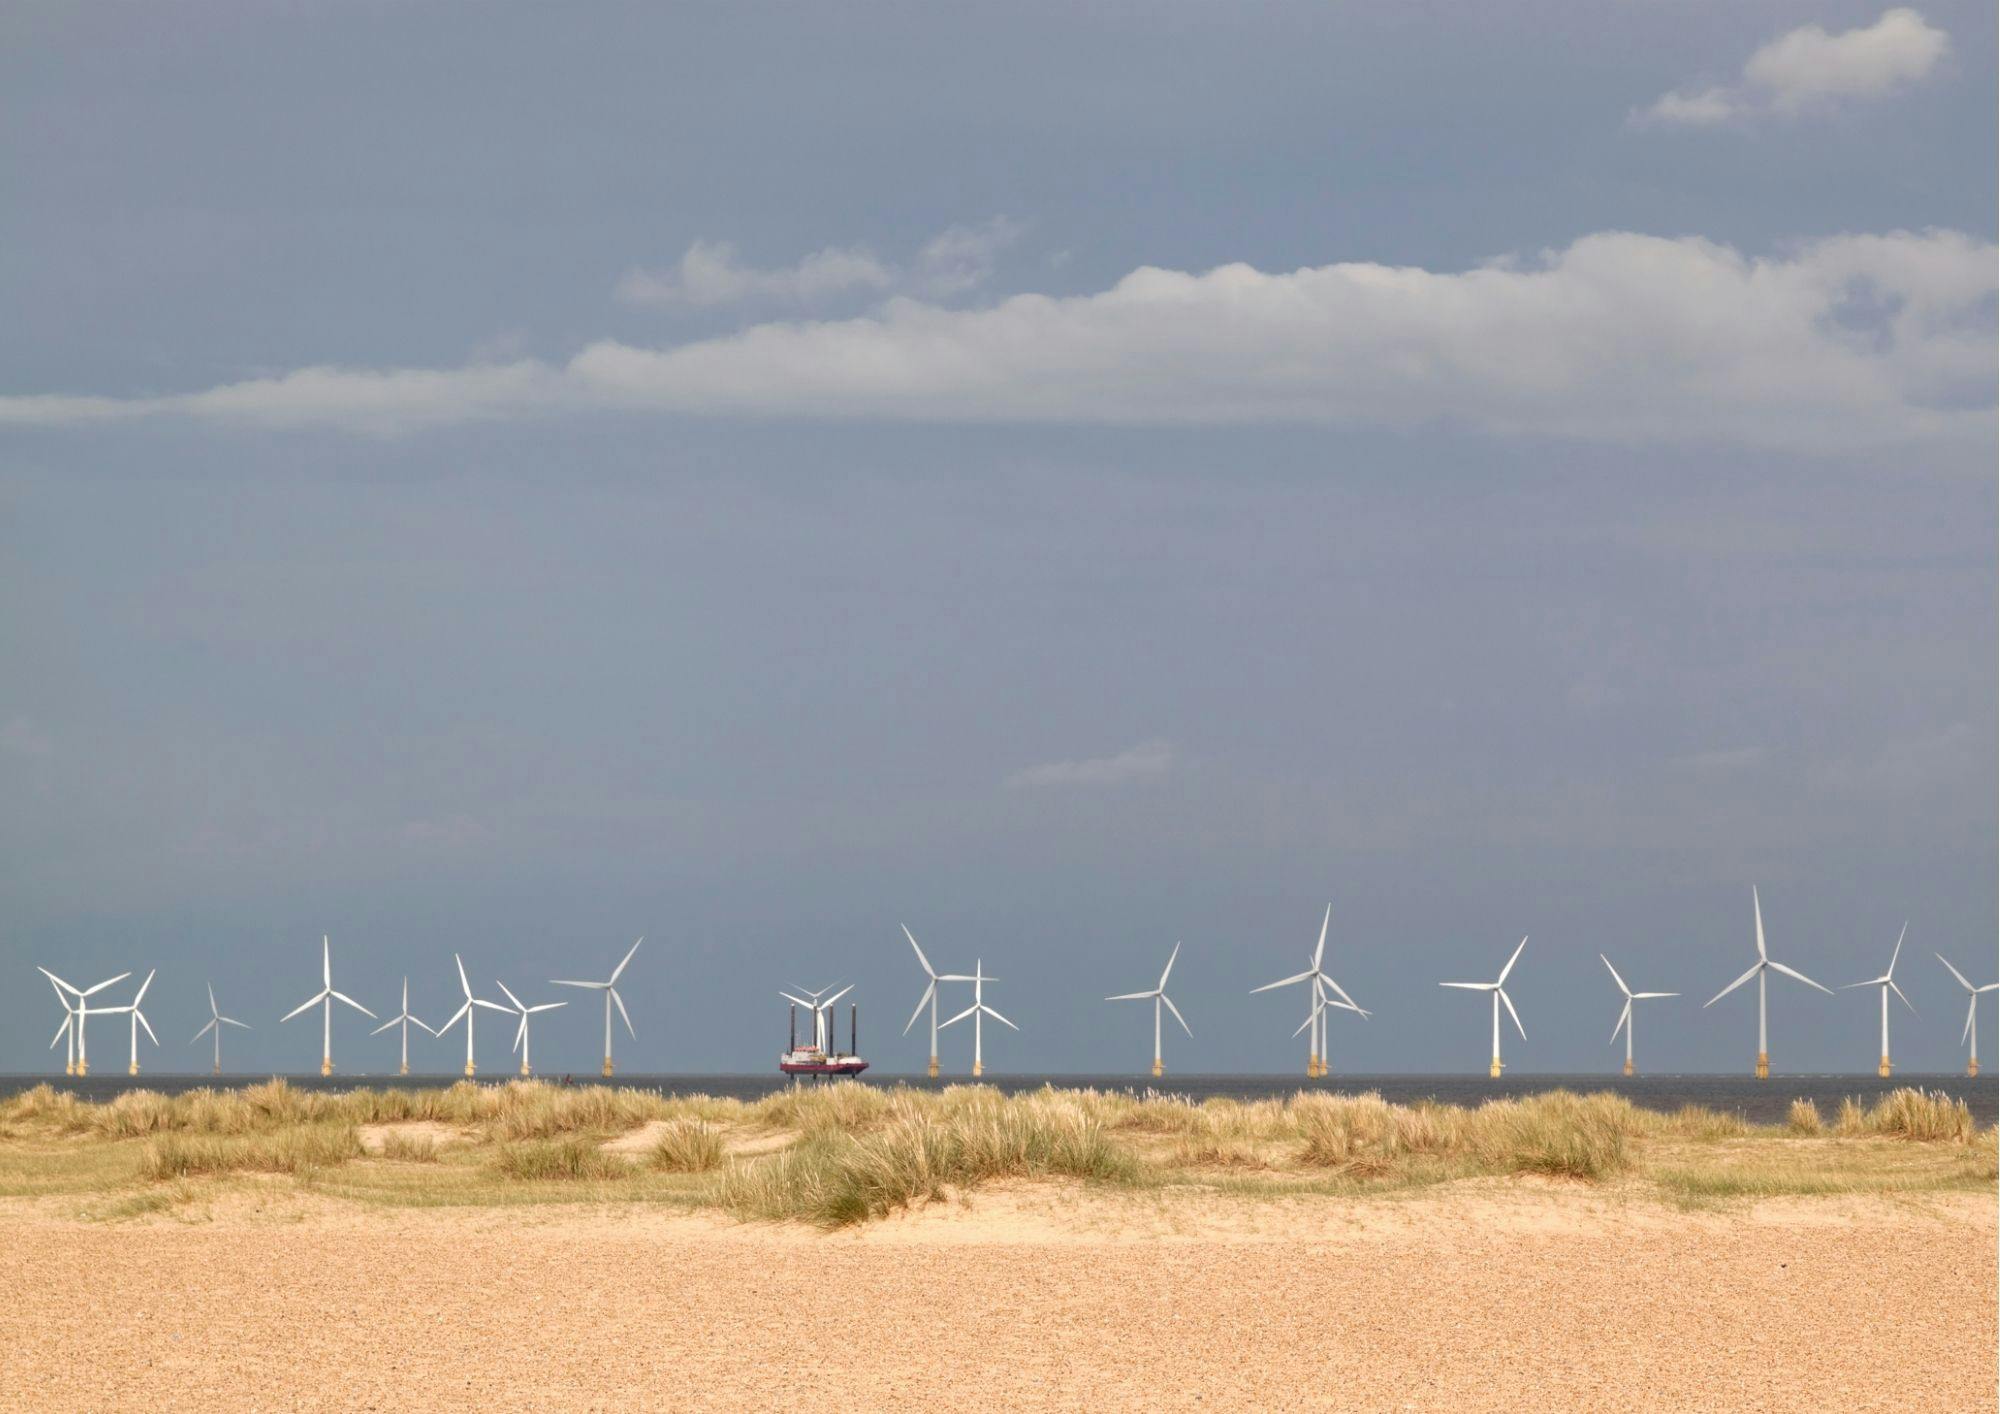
1494, 1294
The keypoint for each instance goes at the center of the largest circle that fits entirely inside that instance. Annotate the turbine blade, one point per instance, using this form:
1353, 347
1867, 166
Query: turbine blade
140, 1017
928, 970
1779, 966
838, 995
1169, 967
1335, 987
326, 961
1282, 982
232, 1021
1177, 1014
454, 1018
620, 1001
956, 1019
88, 991
999, 1018
619, 970
1757, 907
1954, 972
464, 985
1502, 978
343, 997
510, 996
559, 982
1133, 997
929, 988
421, 1027
548, 1006
1515, 1014
385, 1026
1473, 986
519, 1032
73, 991
213, 1010
67, 1018
1971, 1010
492, 1006
1643, 995
1616, 978
1623, 1017
197, 1035
1906, 1001
1755, 968
799, 1001
1899, 950
1320, 951
143, 986
302, 1006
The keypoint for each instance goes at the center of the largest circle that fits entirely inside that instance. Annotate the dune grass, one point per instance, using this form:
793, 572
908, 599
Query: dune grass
844, 1153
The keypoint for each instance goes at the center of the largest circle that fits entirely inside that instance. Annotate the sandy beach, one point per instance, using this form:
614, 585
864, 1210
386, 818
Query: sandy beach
1496, 1294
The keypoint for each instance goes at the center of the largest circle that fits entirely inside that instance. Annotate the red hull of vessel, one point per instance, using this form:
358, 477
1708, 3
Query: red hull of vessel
847, 1067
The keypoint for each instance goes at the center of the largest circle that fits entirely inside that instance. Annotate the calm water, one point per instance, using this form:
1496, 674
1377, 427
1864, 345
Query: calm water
1759, 1101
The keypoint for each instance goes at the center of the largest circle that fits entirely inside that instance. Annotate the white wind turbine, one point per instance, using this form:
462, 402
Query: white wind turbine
1625, 1016
325, 998
820, 1011
1324, 990
1497, 988
1973, 1009
1763, 964
1887, 982
521, 1034
216, 1021
80, 1012
138, 1020
466, 1012
1158, 997
403, 1019
610, 990
977, 1011
930, 997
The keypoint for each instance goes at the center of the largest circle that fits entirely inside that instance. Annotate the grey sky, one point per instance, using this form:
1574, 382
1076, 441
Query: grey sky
1567, 517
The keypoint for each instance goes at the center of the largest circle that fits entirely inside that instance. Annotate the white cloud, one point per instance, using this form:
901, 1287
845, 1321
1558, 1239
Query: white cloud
958, 259
1147, 761
1807, 70
1849, 342
709, 274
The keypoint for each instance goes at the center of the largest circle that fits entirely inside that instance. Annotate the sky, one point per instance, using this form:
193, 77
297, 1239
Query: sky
1067, 479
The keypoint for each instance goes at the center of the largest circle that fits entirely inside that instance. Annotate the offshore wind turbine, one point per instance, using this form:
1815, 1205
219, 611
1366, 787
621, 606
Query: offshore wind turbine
466, 1012
138, 1020
930, 996
1324, 988
1763, 965
1887, 982
403, 1019
1973, 1009
977, 1011
216, 1021
81, 1011
521, 1034
1625, 1016
820, 1011
325, 998
1498, 988
610, 990
1158, 997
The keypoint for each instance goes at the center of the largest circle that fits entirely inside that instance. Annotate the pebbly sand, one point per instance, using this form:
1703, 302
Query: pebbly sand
1484, 1295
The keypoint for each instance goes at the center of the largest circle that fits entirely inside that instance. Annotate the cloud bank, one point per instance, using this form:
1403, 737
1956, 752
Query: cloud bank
709, 273
1807, 70
1843, 343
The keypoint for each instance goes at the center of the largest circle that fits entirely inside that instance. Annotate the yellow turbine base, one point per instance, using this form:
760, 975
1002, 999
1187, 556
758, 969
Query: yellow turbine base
525, 1072
404, 1069
1883, 1068
1628, 1067
1763, 1065
471, 1069
607, 1067
69, 1068
1495, 1069
1312, 1067
132, 1069
1158, 1070
977, 1070
934, 1068
326, 1067
1972, 1069
83, 1067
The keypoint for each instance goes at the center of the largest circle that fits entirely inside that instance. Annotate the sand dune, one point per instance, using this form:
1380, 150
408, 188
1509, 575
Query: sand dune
1486, 1295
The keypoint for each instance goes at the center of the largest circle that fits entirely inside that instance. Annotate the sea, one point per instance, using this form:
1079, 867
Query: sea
1757, 1101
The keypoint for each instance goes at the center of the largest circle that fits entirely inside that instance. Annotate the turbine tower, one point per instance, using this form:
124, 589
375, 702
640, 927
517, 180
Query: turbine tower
1498, 988
610, 990
80, 1012
521, 1034
1973, 1009
325, 998
930, 997
1625, 1016
1887, 982
1763, 965
1324, 988
1158, 997
216, 1021
977, 1011
404, 1020
466, 1012
138, 1020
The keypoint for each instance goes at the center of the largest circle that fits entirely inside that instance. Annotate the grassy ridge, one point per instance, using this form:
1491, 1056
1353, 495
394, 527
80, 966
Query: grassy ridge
846, 1153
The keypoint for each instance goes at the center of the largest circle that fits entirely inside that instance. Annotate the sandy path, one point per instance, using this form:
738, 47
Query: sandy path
1480, 1298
